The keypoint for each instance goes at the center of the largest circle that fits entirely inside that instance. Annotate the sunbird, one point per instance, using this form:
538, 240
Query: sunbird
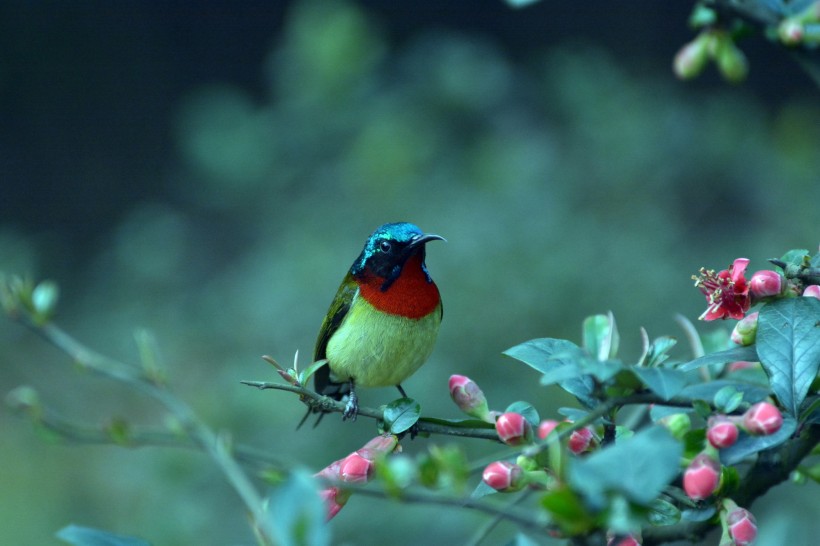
383, 322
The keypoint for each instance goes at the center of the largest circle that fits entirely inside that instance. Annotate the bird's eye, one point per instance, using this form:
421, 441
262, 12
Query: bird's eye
384, 246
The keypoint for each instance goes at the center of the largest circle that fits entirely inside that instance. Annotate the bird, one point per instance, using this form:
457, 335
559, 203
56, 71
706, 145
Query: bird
383, 322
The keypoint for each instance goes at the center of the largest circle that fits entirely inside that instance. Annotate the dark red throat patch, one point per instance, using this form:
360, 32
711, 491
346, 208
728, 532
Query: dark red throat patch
410, 295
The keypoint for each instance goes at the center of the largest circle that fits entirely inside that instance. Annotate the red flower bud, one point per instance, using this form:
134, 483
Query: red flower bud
722, 432
812, 291
745, 330
504, 476
767, 283
762, 419
513, 429
468, 397
334, 499
701, 477
546, 426
355, 469
742, 526
580, 440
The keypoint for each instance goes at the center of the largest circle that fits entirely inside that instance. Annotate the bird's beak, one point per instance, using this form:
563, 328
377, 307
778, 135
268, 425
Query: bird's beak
419, 240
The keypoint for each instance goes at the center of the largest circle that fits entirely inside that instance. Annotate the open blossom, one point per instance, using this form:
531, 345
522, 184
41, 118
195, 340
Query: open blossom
727, 292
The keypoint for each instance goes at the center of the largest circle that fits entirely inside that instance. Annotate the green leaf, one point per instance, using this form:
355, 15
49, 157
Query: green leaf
698, 514
663, 382
795, 257
708, 391
401, 414
567, 510
663, 512
527, 411
600, 335
748, 353
728, 399
638, 467
297, 513
307, 373
788, 346
549, 355
482, 490
657, 353
749, 445
87, 536
458, 423
44, 300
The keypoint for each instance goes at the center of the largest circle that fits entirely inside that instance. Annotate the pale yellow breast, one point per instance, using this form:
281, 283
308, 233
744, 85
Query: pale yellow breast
378, 349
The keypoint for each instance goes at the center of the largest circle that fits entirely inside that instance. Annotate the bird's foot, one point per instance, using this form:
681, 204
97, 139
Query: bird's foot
352, 407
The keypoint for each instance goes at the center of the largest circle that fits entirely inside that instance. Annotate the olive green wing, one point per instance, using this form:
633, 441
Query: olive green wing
335, 315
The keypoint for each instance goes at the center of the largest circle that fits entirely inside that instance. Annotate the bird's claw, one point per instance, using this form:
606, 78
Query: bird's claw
352, 407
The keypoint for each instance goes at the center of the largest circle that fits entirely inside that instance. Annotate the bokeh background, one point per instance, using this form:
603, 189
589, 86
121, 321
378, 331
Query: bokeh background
208, 171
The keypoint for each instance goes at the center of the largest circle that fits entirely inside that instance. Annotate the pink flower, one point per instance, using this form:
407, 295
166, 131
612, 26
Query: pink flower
469, 397
762, 419
741, 365
546, 426
721, 433
513, 429
701, 477
766, 283
742, 526
727, 292
622, 540
503, 476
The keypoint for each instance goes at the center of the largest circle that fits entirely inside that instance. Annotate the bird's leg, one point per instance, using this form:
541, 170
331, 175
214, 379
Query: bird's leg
352, 407
401, 390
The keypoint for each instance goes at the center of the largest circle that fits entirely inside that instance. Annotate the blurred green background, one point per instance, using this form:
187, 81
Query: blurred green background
210, 172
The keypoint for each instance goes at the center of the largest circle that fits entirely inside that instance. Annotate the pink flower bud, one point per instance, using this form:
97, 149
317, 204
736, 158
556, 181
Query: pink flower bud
622, 540
790, 32
513, 429
355, 469
580, 440
691, 58
335, 499
745, 330
468, 397
721, 432
384, 443
767, 283
546, 426
812, 291
701, 477
762, 419
504, 476
741, 365
742, 526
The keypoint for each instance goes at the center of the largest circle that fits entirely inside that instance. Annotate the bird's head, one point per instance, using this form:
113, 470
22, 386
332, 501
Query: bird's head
389, 248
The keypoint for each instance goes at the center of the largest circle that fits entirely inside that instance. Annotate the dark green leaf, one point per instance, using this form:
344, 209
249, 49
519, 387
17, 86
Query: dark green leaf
573, 414
638, 467
561, 357
748, 353
87, 536
658, 351
788, 344
663, 382
702, 408
603, 370
698, 514
707, 391
663, 512
296, 512
457, 423
525, 409
749, 445
401, 414
812, 413
659, 412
